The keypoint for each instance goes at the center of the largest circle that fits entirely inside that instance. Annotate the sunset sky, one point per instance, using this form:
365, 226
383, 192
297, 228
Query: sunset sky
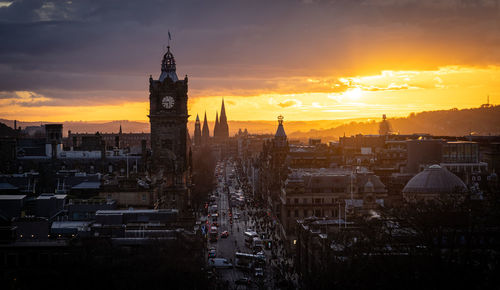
306, 60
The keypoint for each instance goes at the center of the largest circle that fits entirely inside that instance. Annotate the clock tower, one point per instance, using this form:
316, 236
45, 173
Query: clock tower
168, 116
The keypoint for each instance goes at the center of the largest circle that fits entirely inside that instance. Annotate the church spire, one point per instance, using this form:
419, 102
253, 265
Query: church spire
223, 126
223, 118
197, 131
216, 126
120, 132
205, 133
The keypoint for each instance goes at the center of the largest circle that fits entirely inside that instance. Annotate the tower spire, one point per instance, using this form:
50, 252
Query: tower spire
205, 132
223, 126
197, 131
168, 69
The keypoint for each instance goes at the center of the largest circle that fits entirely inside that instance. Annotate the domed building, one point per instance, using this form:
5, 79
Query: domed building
432, 183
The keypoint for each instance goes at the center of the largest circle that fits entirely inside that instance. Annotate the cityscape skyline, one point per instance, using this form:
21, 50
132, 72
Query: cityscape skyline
250, 144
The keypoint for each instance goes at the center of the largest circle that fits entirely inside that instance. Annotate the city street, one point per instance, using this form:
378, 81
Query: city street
235, 242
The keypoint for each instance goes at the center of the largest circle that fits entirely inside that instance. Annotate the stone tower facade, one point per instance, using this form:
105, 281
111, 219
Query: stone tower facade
168, 117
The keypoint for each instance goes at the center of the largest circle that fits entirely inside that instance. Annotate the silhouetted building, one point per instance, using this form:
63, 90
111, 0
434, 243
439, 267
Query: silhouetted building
205, 133
197, 132
216, 127
169, 138
221, 128
384, 126
120, 140
433, 183
423, 153
327, 193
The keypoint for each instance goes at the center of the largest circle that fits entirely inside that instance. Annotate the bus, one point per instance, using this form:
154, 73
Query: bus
248, 261
244, 260
249, 235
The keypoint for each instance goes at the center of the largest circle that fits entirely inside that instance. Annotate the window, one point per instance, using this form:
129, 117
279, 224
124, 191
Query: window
317, 200
296, 200
288, 213
296, 213
143, 197
317, 213
305, 213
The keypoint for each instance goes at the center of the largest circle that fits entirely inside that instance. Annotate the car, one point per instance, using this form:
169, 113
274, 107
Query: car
212, 253
224, 234
243, 281
220, 263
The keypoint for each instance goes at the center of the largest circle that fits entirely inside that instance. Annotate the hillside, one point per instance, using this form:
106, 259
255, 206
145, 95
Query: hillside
454, 122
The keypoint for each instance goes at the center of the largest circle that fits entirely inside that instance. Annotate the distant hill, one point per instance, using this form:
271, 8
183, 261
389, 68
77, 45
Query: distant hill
454, 122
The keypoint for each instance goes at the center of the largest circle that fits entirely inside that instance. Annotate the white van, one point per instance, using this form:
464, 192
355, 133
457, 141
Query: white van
220, 263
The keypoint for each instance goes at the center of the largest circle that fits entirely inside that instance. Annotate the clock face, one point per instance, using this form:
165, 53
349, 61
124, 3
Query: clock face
168, 102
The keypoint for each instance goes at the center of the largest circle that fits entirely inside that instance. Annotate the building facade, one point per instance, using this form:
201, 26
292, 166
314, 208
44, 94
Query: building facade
169, 138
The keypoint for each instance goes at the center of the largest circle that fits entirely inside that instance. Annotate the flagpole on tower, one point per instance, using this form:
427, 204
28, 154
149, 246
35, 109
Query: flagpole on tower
169, 38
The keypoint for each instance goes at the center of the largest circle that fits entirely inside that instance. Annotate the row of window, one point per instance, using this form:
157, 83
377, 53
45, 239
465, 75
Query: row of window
308, 212
321, 200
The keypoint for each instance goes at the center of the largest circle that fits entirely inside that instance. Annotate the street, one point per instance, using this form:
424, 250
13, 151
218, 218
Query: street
235, 215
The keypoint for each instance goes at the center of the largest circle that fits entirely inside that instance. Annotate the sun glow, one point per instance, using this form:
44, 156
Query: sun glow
395, 93
354, 94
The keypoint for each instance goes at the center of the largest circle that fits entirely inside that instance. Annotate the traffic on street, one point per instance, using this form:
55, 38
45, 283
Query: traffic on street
243, 248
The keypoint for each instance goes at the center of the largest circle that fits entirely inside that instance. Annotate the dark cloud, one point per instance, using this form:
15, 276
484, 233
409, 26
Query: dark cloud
73, 47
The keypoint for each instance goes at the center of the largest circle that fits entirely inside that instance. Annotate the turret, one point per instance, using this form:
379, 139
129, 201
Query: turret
197, 131
168, 67
280, 136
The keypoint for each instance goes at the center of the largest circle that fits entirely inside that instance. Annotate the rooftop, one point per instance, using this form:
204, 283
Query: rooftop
12, 197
